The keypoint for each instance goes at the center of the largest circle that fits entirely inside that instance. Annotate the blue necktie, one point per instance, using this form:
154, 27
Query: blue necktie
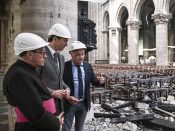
80, 81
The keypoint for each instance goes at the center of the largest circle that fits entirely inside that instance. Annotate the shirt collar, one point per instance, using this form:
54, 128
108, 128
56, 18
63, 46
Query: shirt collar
76, 64
52, 50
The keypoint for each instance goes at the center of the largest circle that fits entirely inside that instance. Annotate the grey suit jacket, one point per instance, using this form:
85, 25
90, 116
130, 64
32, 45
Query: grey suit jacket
53, 77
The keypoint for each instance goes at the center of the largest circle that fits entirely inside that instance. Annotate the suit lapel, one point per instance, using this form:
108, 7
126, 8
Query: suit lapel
60, 64
51, 61
70, 75
86, 73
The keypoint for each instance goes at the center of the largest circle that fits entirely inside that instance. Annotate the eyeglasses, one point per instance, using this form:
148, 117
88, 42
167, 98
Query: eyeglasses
40, 52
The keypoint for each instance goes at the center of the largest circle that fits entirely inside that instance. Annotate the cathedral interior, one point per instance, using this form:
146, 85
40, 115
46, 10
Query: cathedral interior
130, 42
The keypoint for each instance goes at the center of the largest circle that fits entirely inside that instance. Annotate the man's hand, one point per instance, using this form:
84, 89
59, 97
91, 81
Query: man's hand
58, 93
101, 79
66, 93
73, 100
61, 118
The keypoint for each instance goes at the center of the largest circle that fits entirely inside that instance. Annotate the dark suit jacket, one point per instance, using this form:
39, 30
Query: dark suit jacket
89, 78
53, 77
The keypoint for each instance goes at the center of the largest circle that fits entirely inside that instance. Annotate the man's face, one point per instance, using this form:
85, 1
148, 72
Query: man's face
38, 57
60, 43
78, 56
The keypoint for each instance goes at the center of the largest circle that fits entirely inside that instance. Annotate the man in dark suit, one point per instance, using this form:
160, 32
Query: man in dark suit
52, 72
78, 75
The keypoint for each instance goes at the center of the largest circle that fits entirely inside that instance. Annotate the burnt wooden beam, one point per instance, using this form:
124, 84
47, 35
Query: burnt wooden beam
144, 117
109, 108
127, 99
164, 124
127, 104
167, 107
106, 115
163, 111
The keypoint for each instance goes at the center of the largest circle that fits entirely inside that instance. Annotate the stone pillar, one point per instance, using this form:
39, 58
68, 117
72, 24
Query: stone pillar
133, 41
106, 44
118, 38
3, 43
14, 27
113, 46
146, 43
38, 16
161, 22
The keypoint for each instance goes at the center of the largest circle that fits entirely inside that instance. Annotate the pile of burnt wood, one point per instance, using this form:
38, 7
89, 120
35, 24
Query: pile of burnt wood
135, 101
142, 114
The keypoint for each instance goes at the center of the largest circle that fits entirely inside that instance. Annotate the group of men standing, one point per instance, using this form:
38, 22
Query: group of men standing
46, 91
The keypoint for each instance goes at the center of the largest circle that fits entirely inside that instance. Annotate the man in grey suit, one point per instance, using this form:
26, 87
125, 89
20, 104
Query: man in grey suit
52, 72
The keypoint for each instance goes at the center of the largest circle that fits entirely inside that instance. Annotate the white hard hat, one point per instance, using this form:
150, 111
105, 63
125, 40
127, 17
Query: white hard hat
59, 30
75, 45
28, 41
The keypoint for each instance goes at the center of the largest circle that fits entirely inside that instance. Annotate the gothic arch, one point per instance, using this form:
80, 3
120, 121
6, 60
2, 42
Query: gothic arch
106, 34
147, 32
122, 15
138, 7
119, 13
106, 21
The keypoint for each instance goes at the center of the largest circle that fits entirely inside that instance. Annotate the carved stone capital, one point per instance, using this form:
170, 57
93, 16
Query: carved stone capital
119, 29
113, 30
161, 18
134, 24
105, 31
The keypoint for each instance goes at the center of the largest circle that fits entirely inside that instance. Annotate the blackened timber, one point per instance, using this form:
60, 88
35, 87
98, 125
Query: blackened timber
105, 115
163, 111
127, 99
120, 98
133, 118
164, 124
167, 107
127, 104
109, 108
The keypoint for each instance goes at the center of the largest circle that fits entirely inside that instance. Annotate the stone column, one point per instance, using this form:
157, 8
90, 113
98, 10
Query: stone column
118, 38
113, 46
161, 22
38, 16
146, 43
133, 41
14, 27
3, 43
106, 44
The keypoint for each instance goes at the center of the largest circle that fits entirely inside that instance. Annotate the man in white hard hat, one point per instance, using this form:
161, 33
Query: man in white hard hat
33, 102
52, 72
78, 75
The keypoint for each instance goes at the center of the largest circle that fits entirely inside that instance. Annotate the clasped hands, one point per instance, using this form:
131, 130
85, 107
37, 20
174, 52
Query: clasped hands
65, 94
61, 93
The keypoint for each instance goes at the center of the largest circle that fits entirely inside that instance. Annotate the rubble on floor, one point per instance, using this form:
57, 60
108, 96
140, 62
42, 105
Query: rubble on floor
142, 115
